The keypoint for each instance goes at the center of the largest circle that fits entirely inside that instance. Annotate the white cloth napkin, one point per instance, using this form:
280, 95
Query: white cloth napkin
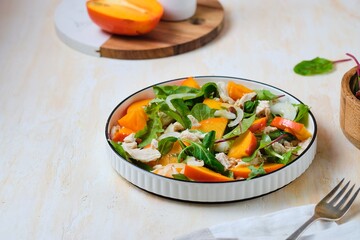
277, 225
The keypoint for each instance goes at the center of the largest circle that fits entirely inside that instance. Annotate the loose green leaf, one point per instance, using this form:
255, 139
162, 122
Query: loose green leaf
315, 66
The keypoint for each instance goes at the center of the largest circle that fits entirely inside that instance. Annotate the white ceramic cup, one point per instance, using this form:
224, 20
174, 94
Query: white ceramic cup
178, 10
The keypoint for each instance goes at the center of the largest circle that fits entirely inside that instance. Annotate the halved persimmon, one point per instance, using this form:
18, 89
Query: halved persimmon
125, 17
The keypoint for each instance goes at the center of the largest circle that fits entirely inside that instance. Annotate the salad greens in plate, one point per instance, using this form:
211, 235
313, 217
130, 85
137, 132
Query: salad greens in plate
215, 132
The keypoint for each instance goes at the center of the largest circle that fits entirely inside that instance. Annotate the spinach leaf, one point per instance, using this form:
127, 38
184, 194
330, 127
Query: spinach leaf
166, 144
180, 115
265, 95
209, 90
250, 106
315, 66
201, 112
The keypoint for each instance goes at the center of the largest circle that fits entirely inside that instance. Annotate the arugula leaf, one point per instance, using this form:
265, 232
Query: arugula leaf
284, 158
201, 112
120, 150
151, 131
163, 92
198, 151
256, 171
265, 95
180, 176
209, 141
166, 144
302, 113
315, 66
243, 127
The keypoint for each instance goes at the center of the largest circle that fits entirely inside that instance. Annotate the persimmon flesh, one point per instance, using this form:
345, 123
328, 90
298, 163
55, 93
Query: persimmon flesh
125, 17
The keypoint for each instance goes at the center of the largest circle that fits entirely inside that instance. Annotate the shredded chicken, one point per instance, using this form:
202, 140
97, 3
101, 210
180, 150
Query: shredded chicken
279, 148
269, 129
223, 159
194, 121
247, 97
142, 154
263, 108
221, 86
224, 113
192, 136
194, 162
222, 147
174, 127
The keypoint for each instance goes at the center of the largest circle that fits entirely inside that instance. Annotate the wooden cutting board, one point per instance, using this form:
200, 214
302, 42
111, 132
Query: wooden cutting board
167, 39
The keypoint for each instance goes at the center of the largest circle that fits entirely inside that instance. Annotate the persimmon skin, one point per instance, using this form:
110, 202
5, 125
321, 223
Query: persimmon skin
203, 174
123, 26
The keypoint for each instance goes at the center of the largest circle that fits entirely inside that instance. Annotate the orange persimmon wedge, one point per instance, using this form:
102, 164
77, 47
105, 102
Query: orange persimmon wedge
243, 146
244, 171
138, 104
190, 82
134, 120
295, 128
211, 103
258, 125
125, 17
236, 90
121, 133
203, 174
213, 124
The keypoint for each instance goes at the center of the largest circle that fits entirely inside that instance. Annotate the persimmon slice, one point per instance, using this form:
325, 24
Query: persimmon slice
125, 17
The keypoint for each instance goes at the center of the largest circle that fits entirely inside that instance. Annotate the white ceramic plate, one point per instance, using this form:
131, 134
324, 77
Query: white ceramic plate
210, 192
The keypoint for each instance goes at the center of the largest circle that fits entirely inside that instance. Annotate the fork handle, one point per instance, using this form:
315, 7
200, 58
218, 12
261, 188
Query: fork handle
298, 232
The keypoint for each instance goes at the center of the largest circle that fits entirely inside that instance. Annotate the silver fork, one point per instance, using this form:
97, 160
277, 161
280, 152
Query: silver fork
330, 208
